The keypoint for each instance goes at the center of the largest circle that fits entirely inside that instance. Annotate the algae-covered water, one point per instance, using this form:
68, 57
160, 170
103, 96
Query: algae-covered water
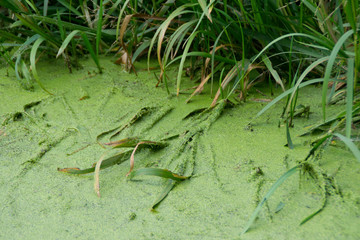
231, 166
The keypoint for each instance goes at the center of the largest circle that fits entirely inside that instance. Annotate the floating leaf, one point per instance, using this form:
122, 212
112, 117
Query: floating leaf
164, 193
134, 141
268, 194
164, 173
117, 159
97, 175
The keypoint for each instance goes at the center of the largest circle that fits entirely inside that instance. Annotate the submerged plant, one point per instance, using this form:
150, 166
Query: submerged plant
306, 167
181, 160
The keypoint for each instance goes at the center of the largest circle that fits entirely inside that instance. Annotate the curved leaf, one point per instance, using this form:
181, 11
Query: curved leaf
66, 42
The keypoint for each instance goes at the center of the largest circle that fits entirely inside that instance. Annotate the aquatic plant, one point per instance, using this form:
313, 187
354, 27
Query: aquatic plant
184, 146
231, 44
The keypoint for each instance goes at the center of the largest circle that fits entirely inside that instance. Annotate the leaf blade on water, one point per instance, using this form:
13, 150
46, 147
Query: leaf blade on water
268, 194
350, 145
164, 173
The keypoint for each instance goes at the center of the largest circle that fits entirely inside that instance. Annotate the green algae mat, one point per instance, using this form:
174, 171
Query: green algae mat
169, 169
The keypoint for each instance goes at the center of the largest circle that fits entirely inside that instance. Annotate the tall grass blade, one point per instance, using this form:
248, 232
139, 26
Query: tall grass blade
353, 148
66, 42
268, 195
33, 62
61, 28
349, 96
26, 20
273, 72
350, 8
25, 46
71, 8
91, 51
182, 62
287, 92
205, 9
46, 5
99, 28
288, 137
329, 67
119, 18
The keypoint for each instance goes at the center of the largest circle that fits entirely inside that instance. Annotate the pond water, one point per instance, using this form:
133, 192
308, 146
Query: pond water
231, 166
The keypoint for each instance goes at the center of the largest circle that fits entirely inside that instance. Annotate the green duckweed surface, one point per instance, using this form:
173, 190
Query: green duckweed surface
232, 166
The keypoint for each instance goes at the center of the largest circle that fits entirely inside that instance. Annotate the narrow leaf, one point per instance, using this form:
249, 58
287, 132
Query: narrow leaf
66, 42
273, 72
111, 161
33, 62
164, 173
353, 148
329, 67
97, 175
268, 195
164, 193
91, 51
288, 137
349, 96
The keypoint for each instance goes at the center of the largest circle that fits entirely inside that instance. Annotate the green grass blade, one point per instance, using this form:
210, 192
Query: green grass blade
182, 62
5, 54
25, 46
165, 24
213, 56
61, 28
71, 26
99, 28
46, 5
66, 42
119, 18
164, 193
25, 72
288, 137
7, 35
349, 96
139, 50
350, 8
204, 55
91, 51
71, 8
111, 161
268, 195
164, 173
287, 92
178, 37
353, 148
329, 67
283, 37
318, 145
205, 8
273, 72
33, 62
26, 20
302, 77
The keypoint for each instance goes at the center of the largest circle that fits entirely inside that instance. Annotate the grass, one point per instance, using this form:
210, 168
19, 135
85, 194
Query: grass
240, 43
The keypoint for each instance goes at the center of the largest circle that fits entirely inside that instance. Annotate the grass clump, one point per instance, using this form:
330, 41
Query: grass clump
231, 45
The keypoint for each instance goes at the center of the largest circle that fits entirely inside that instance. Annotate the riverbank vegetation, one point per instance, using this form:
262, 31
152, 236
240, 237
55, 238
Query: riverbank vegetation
229, 45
